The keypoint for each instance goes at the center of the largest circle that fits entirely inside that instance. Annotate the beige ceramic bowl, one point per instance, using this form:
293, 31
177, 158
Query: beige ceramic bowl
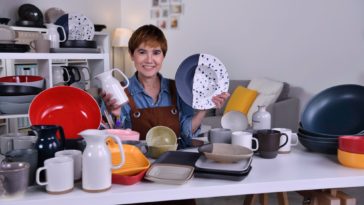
156, 151
161, 135
225, 153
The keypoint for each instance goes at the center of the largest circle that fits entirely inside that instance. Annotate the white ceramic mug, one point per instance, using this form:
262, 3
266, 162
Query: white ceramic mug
59, 175
292, 140
244, 139
41, 45
57, 75
24, 142
77, 161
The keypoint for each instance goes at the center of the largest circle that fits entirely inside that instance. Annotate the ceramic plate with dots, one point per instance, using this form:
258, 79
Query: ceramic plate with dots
210, 79
80, 27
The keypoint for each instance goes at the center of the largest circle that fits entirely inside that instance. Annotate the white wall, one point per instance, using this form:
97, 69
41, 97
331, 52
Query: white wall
312, 44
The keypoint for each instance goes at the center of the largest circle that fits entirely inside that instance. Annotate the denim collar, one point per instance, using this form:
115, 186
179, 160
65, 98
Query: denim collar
135, 87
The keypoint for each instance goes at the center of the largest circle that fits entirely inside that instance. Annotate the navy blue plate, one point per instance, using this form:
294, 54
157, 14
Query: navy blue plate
184, 78
62, 21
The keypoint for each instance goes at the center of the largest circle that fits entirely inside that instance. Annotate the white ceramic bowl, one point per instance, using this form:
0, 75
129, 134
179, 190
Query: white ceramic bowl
235, 121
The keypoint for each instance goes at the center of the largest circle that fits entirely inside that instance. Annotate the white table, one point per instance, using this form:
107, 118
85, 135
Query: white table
298, 170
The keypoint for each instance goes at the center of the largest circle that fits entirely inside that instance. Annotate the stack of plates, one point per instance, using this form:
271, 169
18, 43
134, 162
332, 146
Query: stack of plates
16, 93
330, 114
199, 78
207, 168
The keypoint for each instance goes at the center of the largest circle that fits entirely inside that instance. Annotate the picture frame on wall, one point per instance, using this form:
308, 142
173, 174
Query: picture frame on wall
155, 3
163, 2
176, 8
165, 12
174, 22
162, 23
155, 13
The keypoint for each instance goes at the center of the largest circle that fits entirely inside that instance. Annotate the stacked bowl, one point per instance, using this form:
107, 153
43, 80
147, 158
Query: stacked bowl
351, 151
16, 93
332, 113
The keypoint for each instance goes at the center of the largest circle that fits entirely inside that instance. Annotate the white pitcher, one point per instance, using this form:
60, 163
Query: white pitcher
111, 85
53, 36
96, 160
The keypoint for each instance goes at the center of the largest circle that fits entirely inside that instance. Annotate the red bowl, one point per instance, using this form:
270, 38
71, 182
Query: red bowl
72, 108
25, 80
128, 180
353, 144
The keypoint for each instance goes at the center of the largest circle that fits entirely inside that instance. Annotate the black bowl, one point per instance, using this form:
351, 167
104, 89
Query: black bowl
14, 90
318, 146
4, 21
26, 23
30, 12
99, 27
78, 44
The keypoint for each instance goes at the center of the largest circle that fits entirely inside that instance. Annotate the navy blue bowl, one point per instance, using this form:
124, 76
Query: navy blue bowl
318, 146
338, 110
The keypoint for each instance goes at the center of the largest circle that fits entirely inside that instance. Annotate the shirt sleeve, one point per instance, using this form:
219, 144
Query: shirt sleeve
186, 114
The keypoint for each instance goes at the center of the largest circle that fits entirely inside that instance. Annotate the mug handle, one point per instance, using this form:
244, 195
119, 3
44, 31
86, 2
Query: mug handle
77, 73
88, 71
37, 178
32, 44
284, 134
68, 74
122, 155
64, 34
125, 77
296, 139
256, 144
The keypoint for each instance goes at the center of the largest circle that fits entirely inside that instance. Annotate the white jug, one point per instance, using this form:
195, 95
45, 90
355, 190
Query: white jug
53, 36
96, 160
111, 85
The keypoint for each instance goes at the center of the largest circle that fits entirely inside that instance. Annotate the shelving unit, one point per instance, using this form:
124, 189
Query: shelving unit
96, 62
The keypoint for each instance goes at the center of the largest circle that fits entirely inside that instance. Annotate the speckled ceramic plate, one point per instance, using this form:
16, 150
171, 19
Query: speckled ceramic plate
200, 77
210, 79
76, 26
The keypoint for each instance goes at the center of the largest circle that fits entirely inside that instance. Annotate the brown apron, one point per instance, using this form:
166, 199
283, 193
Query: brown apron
144, 119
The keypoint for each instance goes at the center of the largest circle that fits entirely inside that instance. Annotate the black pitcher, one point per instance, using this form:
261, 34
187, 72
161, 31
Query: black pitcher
47, 143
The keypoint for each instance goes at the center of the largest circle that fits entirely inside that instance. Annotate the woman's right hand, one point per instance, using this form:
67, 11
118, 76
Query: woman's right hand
110, 104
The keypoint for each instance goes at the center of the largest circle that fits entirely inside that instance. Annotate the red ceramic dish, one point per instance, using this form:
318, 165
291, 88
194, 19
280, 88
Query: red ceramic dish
20, 79
353, 144
128, 180
72, 108
24, 80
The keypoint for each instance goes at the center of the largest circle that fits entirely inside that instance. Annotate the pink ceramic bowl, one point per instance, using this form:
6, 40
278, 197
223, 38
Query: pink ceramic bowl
124, 135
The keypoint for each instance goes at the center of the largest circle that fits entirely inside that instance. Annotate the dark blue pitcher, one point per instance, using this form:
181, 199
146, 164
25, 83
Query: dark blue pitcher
47, 143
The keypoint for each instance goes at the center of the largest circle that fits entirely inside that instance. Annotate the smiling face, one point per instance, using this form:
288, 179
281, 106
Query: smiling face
148, 59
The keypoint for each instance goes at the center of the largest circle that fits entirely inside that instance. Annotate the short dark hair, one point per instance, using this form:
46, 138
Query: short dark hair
148, 34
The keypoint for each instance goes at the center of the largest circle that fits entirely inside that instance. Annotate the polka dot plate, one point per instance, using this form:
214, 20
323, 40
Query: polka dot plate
77, 26
199, 78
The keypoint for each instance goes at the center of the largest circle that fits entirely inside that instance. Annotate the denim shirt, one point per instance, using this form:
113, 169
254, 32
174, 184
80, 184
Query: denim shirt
143, 100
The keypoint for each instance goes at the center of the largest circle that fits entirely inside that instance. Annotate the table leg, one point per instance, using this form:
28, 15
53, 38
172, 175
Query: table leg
250, 199
282, 198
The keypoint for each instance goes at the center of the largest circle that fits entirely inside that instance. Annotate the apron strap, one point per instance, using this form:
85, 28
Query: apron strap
172, 90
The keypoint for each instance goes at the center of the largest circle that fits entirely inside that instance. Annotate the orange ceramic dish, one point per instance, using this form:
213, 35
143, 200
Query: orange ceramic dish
135, 161
350, 159
353, 144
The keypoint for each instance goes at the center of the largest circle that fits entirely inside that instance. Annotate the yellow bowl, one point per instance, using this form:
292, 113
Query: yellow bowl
160, 135
350, 159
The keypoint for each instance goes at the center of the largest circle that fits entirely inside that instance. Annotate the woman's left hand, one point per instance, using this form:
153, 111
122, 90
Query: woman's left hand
220, 99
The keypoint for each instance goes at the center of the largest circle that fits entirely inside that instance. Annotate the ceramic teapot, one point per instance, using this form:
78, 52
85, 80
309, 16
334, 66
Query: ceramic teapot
111, 85
53, 35
96, 160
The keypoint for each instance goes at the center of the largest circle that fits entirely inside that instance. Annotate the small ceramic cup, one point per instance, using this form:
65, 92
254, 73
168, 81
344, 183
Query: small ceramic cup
59, 175
269, 142
220, 135
76, 155
25, 155
292, 140
244, 139
13, 179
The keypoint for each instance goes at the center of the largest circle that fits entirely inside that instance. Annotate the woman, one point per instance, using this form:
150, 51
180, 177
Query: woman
153, 99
